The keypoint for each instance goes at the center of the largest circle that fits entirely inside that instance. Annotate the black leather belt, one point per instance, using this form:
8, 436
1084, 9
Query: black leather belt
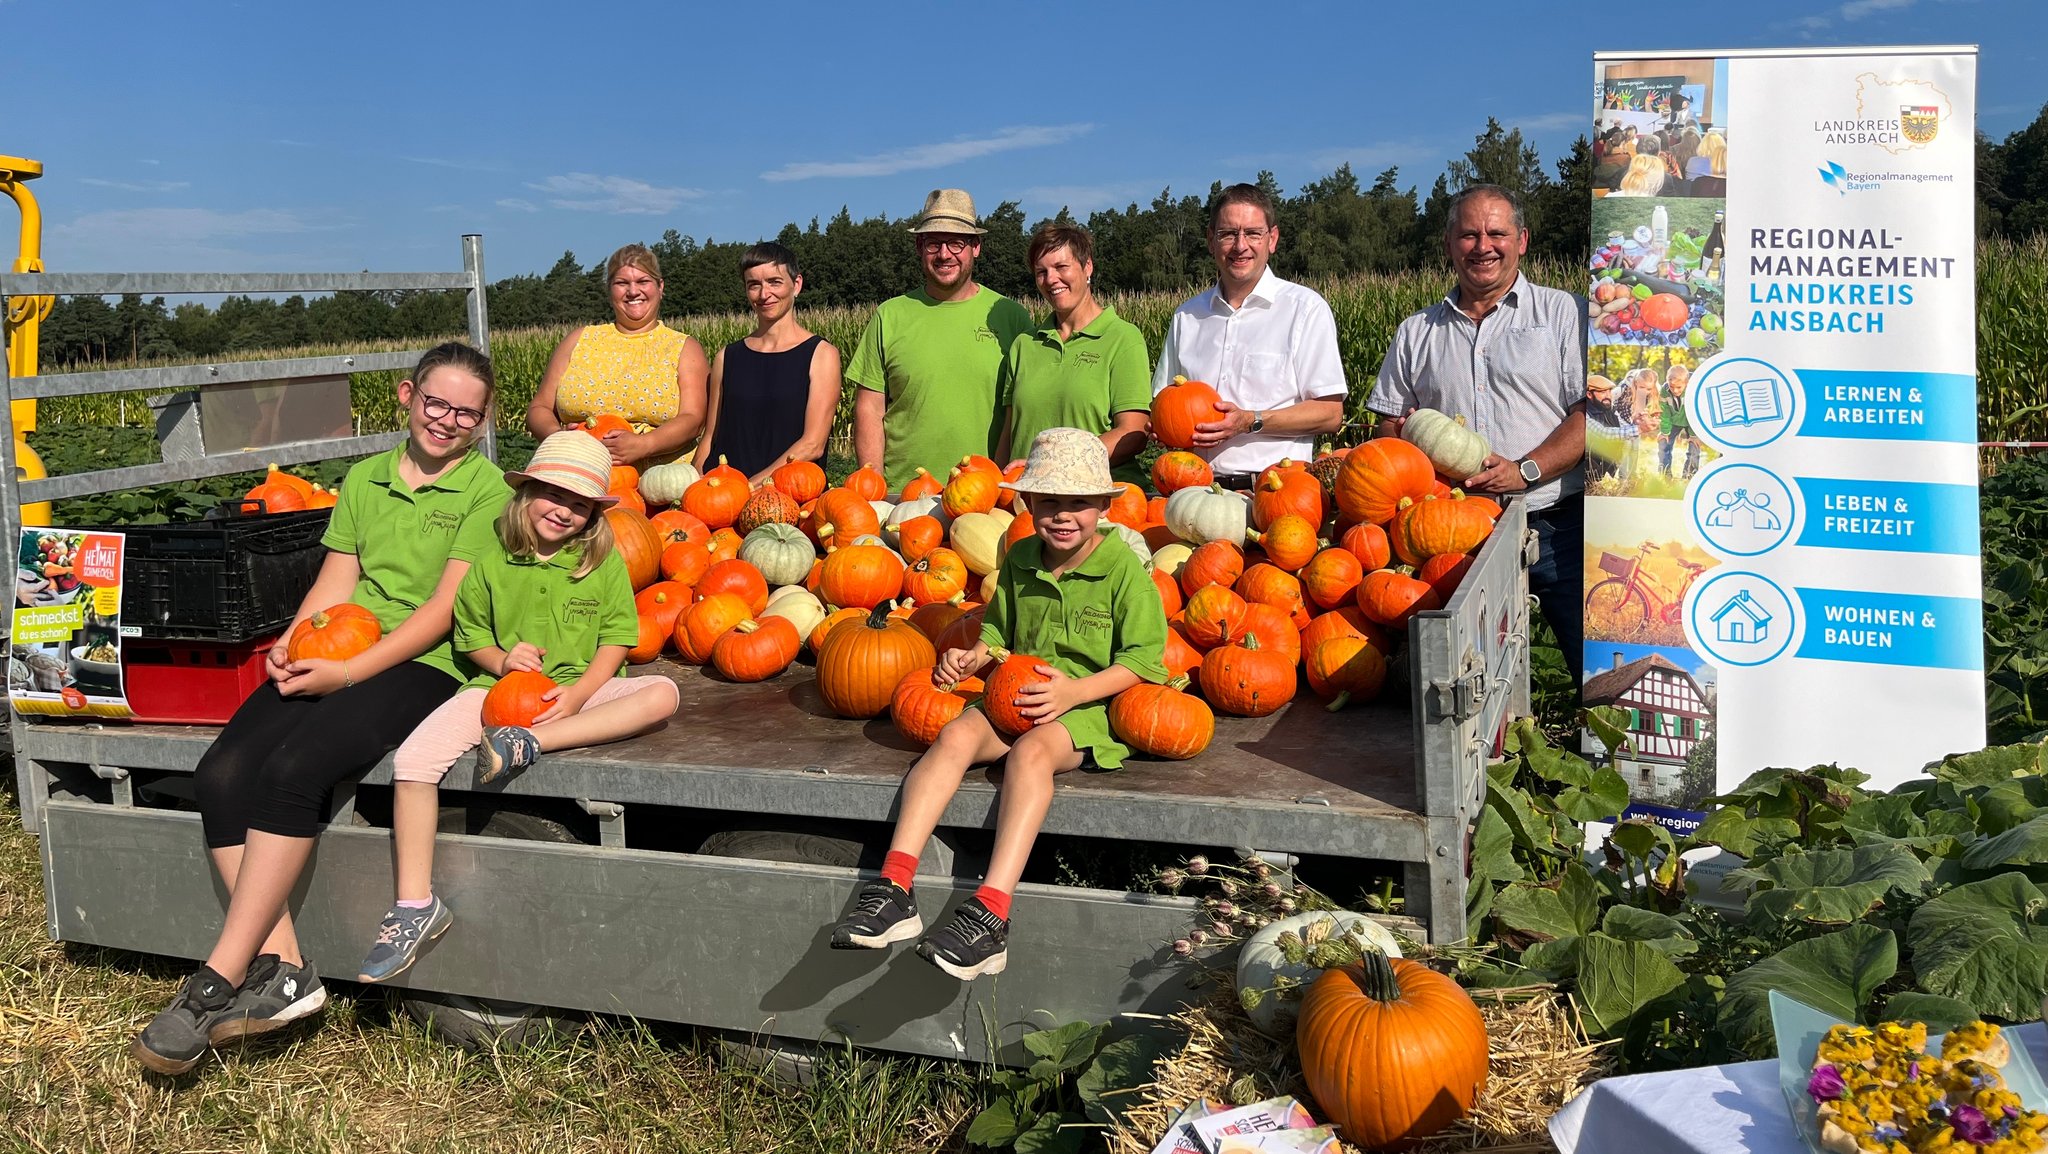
1240, 481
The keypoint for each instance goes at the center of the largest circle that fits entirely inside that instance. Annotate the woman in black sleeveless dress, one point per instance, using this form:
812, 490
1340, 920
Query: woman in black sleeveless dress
774, 391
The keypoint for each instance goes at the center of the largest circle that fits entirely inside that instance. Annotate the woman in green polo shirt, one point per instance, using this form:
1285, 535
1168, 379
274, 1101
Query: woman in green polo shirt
402, 537
1086, 370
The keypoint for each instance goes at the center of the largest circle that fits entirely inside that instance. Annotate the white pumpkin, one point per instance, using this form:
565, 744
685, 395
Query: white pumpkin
781, 552
664, 484
1170, 557
883, 511
988, 588
1455, 450
978, 538
1260, 963
799, 605
1133, 538
1003, 517
1212, 514
892, 526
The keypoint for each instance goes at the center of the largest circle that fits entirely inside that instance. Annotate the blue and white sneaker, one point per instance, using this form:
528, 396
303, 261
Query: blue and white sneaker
505, 749
401, 936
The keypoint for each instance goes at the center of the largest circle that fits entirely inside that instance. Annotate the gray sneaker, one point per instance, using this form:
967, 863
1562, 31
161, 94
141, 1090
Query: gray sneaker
505, 749
177, 1038
275, 994
400, 938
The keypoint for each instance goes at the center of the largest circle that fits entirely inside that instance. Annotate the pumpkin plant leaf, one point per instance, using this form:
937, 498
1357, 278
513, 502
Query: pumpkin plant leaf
996, 1126
1977, 944
1047, 1137
1534, 910
1580, 896
1830, 886
1068, 1047
2023, 844
1618, 978
1552, 961
2002, 807
1940, 1014
1609, 723
1602, 796
1836, 973
1661, 932
1106, 1088
1990, 766
1742, 834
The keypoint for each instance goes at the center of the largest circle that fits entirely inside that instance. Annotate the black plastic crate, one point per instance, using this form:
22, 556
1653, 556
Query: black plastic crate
229, 580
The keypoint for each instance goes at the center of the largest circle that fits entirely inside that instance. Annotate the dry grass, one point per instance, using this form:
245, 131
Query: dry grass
364, 1078
1539, 1061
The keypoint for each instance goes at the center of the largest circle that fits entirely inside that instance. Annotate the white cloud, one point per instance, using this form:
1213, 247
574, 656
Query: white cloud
184, 226
440, 162
146, 160
590, 192
518, 204
181, 238
137, 185
941, 155
1852, 10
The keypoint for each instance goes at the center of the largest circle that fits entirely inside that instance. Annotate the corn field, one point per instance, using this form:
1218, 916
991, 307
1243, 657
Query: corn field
2012, 345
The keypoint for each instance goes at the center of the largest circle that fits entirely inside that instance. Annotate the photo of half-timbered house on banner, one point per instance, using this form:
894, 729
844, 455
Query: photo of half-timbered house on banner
1670, 713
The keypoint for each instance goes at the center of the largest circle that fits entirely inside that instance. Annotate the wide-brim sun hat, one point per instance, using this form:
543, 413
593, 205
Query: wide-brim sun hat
948, 210
573, 461
1066, 463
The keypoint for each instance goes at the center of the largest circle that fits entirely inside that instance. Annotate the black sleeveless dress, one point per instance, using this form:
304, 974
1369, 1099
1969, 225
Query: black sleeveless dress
762, 402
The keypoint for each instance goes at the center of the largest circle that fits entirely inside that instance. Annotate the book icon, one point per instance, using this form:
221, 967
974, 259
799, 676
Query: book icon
1745, 403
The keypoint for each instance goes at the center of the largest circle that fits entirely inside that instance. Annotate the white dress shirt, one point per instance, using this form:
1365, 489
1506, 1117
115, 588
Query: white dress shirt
1277, 349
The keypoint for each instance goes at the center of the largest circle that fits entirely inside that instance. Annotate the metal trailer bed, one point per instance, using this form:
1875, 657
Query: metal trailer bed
740, 943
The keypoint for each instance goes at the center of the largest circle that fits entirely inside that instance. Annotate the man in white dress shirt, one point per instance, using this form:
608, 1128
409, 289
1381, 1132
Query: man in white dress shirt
1268, 346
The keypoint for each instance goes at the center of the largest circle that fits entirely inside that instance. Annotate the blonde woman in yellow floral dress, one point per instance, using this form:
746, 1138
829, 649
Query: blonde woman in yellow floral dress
636, 367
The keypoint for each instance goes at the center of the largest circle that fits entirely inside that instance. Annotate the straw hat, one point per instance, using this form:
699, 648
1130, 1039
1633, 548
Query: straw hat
571, 460
948, 210
1066, 463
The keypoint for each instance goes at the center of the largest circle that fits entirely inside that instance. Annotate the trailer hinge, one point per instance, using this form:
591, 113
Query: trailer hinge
1458, 700
611, 821
123, 785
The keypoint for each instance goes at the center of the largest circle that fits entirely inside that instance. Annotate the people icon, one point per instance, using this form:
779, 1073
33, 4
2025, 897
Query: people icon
1757, 507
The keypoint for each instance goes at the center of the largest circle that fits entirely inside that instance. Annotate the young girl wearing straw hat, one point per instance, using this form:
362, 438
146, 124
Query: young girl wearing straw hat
1079, 600
553, 598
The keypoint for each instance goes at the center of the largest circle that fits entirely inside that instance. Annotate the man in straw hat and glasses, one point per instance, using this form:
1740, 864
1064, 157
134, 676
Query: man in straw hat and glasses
927, 361
1268, 346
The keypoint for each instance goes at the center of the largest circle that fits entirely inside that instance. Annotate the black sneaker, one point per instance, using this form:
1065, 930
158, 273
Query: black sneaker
275, 994
883, 913
176, 1039
973, 942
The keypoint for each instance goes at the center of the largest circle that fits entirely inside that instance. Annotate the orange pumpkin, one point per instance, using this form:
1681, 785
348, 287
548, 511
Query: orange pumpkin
862, 662
1344, 669
867, 483
624, 479
1213, 615
1451, 525
802, 480
1212, 563
920, 709
699, 627
676, 525
603, 423
335, 633
963, 633
1392, 1050
1369, 544
1443, 572
970, 491
1286, 491
1169, 592
1247, 679
631, 499
764, 506
738, 578
919, 536
1162, 720
638, 546
725, 543
277, 493
1331, 578
1014, 672
832, 620
658, 606
1021, 526
726, 472
920, 486
842, 517
1128, 506
1182, 659
1391, 597
516, 699
939, 575
756, 649
1179, 407
1180, 469
715, 500
1290, 541
1377, 474
861, 577
685, 562
932, 618
1273, 626
1343, 621
1268, 583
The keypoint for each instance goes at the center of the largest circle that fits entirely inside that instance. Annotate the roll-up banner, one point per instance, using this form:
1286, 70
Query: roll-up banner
1781, 526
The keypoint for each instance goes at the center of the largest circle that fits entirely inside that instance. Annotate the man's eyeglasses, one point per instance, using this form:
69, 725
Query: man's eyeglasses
435, 408
954, 245
1248, 235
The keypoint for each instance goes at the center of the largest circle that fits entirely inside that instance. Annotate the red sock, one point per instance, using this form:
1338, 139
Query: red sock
997, 901
899, 868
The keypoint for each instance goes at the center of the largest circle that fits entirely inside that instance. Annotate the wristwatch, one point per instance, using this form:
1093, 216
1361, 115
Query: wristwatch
1531, 471
1258, 421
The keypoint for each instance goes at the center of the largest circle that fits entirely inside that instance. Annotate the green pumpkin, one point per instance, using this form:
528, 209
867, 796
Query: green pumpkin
781, 552
1455, 450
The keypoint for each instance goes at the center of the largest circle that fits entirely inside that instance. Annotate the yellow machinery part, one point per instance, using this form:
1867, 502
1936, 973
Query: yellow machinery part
23, 323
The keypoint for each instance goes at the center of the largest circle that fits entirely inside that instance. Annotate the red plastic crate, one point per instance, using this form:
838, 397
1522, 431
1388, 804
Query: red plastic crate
191, 682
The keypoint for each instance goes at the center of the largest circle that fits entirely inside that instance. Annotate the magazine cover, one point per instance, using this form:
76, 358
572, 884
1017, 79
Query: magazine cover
66, 655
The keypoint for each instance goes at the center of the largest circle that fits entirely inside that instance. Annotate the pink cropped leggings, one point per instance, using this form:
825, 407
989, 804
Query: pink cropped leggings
457, 727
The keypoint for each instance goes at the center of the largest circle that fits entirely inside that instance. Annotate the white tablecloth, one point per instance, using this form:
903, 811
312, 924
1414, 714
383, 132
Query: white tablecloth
1712, 1110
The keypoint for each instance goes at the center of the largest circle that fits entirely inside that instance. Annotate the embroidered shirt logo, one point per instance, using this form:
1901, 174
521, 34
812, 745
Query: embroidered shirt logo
440, 521
1093, 618
580, 609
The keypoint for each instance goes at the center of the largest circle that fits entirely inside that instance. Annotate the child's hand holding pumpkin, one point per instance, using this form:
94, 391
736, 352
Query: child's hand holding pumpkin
1045, 700
525, 655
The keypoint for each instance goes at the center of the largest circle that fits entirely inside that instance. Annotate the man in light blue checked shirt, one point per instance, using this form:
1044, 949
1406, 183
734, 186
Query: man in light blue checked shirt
1510, 357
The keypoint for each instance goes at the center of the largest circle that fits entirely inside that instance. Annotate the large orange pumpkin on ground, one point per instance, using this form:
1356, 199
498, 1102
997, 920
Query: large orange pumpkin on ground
1392, 1050
637, 543
861, 663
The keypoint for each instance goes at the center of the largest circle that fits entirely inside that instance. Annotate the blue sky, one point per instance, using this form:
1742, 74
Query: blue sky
207, 135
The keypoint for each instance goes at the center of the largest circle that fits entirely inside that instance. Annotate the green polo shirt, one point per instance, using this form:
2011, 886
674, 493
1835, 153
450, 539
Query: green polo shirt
1104, 612
506, 600
403, 538
1083, 383
937, 362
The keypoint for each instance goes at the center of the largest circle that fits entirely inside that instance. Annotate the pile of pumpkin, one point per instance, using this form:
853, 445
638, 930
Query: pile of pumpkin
1313, 574
282, 492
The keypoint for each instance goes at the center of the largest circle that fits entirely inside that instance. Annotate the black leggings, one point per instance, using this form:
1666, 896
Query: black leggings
273, 766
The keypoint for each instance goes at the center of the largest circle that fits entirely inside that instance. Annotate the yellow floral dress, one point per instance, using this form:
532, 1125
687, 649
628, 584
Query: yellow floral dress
631, 374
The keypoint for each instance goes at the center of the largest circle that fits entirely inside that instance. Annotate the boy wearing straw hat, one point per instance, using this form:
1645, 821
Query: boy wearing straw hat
927, 362
1077, 599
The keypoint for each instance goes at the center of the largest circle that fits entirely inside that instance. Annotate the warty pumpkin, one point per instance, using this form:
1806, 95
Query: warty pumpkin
766, 506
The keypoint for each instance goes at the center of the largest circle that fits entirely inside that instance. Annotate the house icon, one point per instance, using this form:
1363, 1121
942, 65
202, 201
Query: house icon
1741, 619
